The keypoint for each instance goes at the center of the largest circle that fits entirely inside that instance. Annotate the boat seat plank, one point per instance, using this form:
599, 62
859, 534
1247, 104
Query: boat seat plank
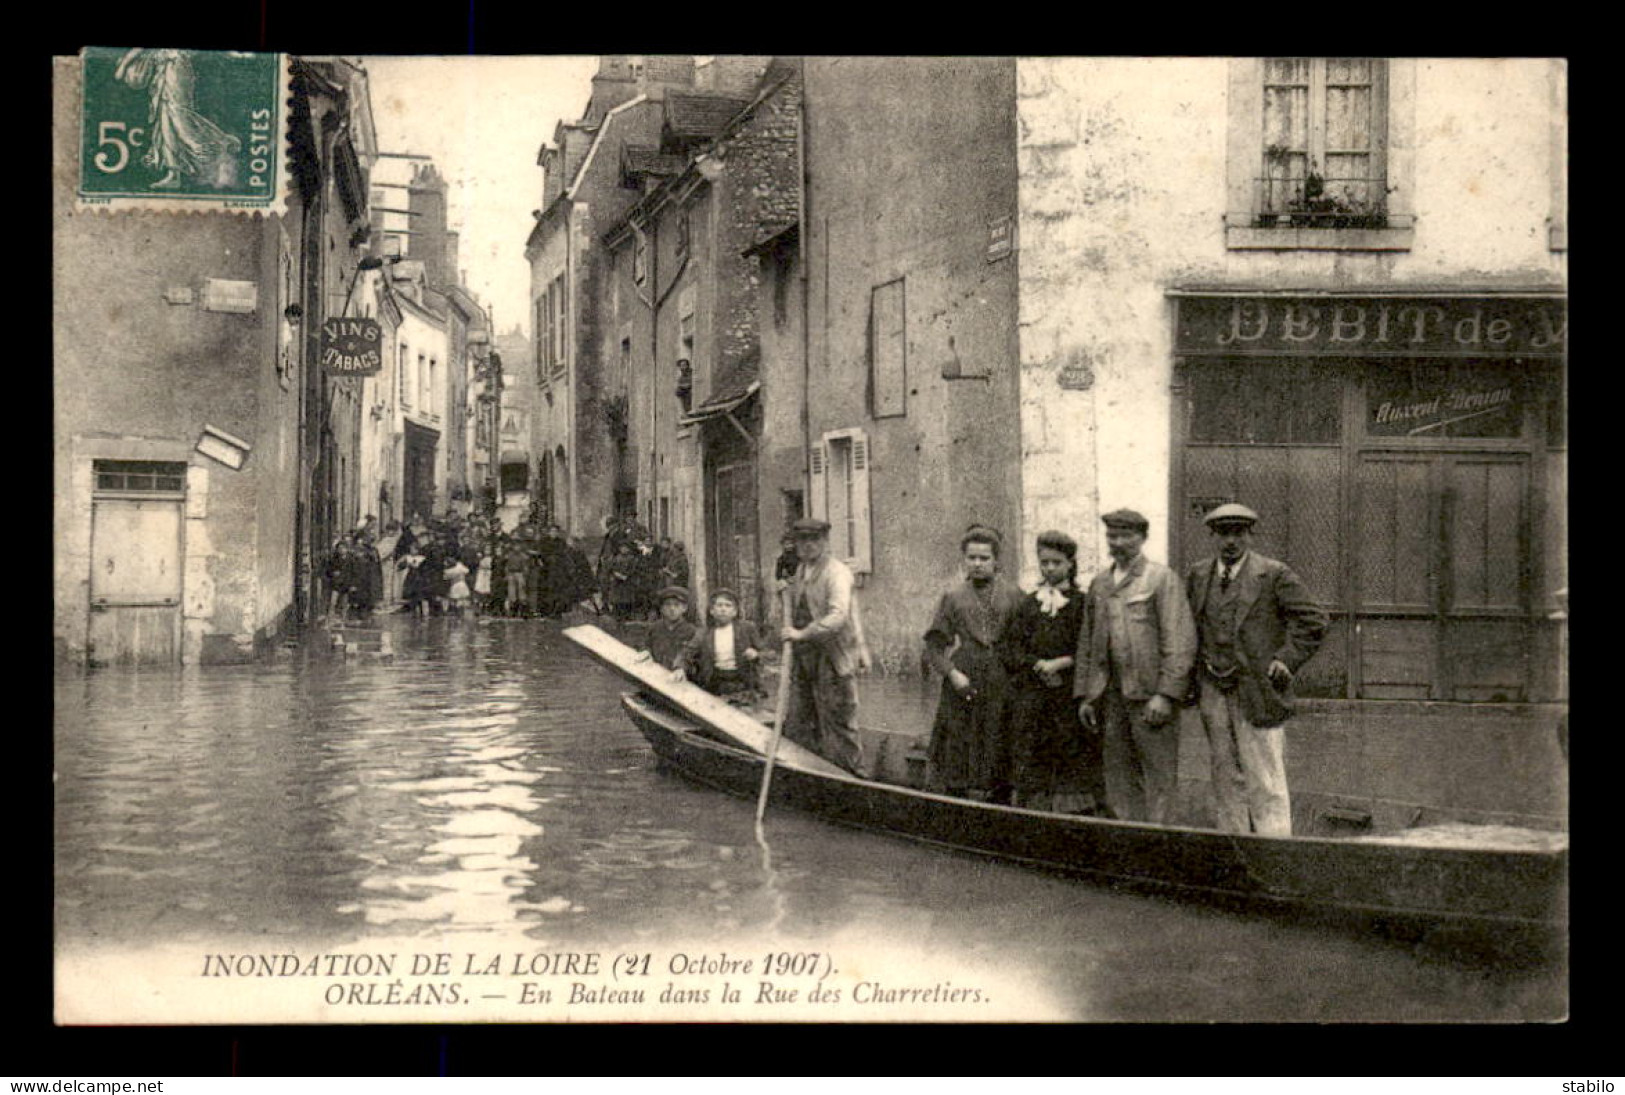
728, 722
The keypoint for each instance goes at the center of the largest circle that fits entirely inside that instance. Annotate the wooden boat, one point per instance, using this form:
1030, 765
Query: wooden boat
1469, 876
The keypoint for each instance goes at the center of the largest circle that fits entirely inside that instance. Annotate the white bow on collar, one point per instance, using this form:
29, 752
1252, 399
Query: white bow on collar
1051, 599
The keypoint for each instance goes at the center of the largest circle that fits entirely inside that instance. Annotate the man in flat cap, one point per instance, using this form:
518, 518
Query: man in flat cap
823, 624
1134, 660
1258, 625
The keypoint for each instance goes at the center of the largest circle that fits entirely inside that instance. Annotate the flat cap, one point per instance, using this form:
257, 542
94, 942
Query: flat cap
672, 593
1126, 518
810, 526
1231, 513
722, 591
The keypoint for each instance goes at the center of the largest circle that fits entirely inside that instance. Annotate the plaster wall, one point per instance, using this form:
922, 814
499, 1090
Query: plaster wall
912, 192
137, 377
1123, 166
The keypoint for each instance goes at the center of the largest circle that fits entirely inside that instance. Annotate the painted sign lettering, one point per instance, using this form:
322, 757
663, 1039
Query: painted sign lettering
1397, 327
352, 347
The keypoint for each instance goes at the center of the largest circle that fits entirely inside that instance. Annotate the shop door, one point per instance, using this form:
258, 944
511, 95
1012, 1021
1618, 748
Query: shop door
418, 487
1443, 576
733, 535
135, 581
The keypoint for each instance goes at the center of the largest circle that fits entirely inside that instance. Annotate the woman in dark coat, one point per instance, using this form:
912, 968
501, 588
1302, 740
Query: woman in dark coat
418, 586
969, 742
1055, 760
623, 590
368, 569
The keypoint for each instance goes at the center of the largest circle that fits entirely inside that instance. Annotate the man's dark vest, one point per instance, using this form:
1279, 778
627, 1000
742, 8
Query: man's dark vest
1219, 628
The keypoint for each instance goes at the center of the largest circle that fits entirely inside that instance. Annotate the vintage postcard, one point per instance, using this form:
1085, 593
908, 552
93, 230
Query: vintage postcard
772, 538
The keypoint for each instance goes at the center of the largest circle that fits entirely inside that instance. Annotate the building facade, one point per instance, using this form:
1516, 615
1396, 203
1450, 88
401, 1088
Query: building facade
1033, 291
203, 459
910, 332
684, 341
1332, 289
421, 353
583, 470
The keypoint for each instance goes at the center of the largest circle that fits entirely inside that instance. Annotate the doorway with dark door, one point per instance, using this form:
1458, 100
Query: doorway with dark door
1404, 491
418, 487
732, 550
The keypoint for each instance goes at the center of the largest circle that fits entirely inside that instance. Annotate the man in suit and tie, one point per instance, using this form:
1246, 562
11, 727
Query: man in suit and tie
1258, 626
1134, 659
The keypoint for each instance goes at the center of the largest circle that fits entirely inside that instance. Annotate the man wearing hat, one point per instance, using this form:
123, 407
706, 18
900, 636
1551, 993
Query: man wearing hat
827, 650
1134, 660
1258, 625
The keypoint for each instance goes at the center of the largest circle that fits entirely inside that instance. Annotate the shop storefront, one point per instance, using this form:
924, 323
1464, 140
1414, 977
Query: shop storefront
1408, 455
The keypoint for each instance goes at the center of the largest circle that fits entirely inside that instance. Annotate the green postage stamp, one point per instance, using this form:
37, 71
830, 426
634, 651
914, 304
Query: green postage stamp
179, 129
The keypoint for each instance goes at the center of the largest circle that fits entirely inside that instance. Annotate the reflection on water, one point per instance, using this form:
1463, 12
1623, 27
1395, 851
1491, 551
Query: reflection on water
488, 783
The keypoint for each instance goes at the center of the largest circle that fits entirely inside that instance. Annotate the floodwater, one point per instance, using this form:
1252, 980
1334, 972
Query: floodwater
487, 782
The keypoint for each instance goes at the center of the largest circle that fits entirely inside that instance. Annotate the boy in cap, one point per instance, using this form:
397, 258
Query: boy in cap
1258, 625
722, 656
1133, 667
670, 635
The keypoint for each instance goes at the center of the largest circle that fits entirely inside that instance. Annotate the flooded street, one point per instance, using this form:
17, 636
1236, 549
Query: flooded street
486, 786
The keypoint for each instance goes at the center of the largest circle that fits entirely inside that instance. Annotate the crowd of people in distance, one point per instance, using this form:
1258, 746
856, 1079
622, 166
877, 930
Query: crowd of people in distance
443, 564
539, 573
354, 575
633, 568
470, 565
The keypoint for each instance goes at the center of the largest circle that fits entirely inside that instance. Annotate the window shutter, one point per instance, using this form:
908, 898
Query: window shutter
862, 545
818, 501
888, 380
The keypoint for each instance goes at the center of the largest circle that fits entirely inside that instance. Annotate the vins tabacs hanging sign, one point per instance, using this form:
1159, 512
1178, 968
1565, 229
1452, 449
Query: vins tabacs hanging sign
352, 347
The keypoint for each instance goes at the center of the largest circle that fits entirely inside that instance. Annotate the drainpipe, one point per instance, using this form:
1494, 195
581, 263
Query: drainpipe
806, 301
573, 453
652, 250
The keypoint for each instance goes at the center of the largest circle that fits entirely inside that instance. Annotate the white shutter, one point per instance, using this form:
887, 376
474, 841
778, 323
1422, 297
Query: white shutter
862, 544
817, 497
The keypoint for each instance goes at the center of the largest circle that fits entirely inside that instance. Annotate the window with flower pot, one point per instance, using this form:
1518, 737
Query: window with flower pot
1319, 153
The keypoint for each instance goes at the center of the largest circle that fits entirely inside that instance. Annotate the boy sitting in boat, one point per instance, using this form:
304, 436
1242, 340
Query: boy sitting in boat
670, 635
722, 657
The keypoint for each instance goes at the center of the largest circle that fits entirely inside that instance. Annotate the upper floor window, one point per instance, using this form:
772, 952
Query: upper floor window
682, 235
543, 330
560, 354
1314, 147
1322, 163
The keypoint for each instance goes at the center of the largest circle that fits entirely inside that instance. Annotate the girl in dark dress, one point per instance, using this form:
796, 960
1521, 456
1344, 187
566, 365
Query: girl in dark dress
969, 743
367, 586
1055, 760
